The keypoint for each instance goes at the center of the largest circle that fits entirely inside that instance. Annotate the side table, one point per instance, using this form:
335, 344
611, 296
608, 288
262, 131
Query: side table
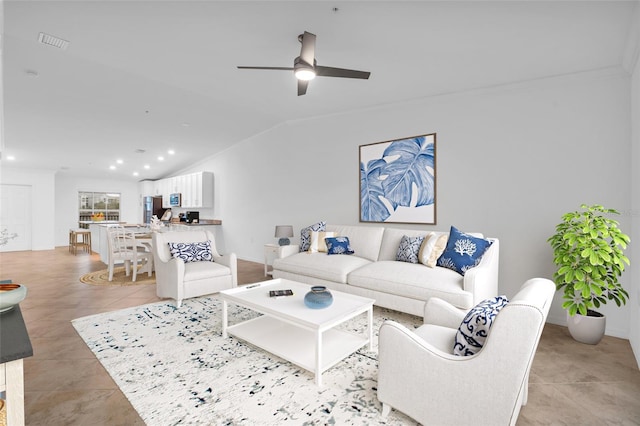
274, 251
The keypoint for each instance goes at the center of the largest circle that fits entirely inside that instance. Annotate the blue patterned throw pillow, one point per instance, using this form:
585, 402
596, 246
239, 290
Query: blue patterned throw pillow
475, 326
192, 252
463, 251
338, 245
409, 249
305, 234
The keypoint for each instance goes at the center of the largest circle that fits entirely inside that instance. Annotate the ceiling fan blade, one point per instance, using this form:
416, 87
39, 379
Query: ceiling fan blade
308, 49
341, 72
266, 68
302, 87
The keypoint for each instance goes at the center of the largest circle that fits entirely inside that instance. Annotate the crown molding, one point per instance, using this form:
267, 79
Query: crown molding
632, 45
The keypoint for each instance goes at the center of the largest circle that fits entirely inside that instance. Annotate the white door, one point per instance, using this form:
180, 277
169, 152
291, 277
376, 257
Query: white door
15, 217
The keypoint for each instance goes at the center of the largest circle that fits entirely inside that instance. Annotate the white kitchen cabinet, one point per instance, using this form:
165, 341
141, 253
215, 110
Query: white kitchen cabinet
196, 189
164, 188
202, 187
189, 194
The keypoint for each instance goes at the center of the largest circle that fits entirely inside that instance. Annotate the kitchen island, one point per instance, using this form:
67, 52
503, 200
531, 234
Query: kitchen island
100, 235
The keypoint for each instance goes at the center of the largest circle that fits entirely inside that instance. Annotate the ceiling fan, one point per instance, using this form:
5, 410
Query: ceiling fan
306, 68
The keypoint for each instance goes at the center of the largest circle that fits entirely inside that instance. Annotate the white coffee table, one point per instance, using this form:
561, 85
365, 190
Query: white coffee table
303, 336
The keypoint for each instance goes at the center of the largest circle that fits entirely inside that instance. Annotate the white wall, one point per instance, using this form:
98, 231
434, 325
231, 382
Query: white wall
43, 200
634, 292
510, 162
66, 205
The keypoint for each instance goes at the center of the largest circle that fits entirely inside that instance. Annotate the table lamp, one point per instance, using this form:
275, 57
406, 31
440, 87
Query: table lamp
283, 232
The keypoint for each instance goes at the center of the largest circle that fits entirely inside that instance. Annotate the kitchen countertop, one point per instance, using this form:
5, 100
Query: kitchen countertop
202, 222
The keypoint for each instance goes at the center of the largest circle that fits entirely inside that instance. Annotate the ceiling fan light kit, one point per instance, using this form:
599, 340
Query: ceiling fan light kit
305, 67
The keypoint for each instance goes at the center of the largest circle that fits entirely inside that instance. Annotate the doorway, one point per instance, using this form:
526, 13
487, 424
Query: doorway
15, 217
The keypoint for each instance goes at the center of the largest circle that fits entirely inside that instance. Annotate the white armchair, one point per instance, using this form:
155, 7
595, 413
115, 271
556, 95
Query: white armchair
419, 375
178, 280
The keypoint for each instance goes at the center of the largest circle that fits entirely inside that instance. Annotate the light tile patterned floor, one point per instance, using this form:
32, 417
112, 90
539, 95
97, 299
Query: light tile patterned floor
571, 383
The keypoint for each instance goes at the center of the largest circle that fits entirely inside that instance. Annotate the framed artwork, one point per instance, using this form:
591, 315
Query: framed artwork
398, 181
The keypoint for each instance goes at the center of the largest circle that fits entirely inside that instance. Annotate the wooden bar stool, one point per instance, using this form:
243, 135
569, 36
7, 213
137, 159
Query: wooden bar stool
79, 238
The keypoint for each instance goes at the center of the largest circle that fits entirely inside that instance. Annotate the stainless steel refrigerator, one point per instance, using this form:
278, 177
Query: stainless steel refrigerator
151, 206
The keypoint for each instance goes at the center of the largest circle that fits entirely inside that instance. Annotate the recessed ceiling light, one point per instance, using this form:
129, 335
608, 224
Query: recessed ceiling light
31, 73
146, 166
119, 161
186, 124
171, 152
112, 167
135, 173
161, 158
140, 151
11, 158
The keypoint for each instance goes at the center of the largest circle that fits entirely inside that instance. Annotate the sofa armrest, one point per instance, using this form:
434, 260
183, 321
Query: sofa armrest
482, 281
289, 250
169, 277
439, 312
231, 261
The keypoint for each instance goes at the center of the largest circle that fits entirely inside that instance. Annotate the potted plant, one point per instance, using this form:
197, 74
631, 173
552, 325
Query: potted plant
588, 249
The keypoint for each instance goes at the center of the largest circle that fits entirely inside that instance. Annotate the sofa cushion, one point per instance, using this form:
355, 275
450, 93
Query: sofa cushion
338, 245
432, 248
464, 251
365, 240
305, 234
413, 281
319, 265
192, 252
409, 248
474, 329
194, 271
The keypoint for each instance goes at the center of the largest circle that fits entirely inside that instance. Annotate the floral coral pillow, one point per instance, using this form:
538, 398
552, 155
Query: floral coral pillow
463, 251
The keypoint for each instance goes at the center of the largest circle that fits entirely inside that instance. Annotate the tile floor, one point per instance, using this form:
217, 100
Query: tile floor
570, 384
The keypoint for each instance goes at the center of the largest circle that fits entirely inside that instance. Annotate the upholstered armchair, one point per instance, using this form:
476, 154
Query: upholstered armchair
420, 376
209, 273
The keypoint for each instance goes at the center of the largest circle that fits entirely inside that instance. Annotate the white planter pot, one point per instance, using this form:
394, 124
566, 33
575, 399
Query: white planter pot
586, 329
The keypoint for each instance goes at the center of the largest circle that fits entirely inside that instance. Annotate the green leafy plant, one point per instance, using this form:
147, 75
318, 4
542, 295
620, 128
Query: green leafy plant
588, 249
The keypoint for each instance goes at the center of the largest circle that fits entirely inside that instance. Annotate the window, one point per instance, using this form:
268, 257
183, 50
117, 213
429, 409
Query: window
98, 206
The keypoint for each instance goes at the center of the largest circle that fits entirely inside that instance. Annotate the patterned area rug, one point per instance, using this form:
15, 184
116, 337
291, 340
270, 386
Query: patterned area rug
175, 368
119, 278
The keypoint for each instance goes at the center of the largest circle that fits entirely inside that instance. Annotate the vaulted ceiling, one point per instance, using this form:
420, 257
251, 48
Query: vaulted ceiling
155, 76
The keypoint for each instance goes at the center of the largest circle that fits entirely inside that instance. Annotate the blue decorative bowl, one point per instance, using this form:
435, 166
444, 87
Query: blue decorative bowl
318, 298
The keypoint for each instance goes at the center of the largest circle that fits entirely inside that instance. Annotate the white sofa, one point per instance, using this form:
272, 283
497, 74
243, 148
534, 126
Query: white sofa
373, 272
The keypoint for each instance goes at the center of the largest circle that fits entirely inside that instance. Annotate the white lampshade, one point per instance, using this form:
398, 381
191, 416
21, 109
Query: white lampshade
284, 231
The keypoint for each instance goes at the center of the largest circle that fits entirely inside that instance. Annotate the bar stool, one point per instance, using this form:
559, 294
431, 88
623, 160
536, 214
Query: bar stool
79, 238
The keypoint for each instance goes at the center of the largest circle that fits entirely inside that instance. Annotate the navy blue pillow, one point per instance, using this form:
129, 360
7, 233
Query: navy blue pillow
463, 251
338, 245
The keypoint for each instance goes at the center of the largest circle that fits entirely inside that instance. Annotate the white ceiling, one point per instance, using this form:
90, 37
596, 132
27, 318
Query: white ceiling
159, 75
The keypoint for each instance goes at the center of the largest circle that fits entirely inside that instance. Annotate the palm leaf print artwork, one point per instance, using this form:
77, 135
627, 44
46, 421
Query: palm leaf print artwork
397, 181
